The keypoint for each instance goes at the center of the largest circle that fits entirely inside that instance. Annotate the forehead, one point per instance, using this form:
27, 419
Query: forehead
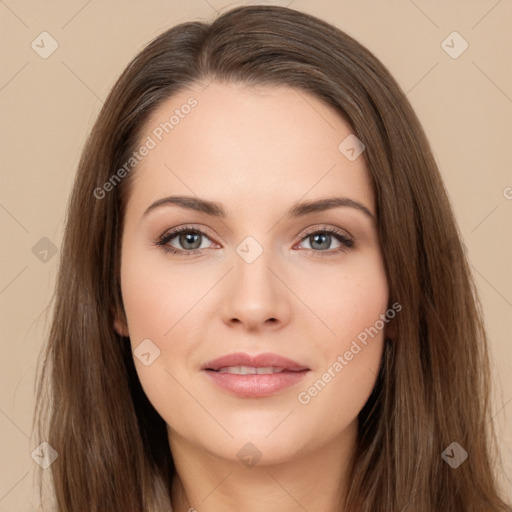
247, 145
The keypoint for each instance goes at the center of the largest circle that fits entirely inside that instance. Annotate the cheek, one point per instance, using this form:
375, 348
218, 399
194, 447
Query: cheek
334, 397
352, 303
160, 302
157, 295
347, 298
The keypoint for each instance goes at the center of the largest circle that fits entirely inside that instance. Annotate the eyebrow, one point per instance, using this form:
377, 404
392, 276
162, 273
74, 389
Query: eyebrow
299, 209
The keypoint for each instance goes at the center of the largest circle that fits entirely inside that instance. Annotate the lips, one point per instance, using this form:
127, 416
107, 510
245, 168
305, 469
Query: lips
260, 361
257, 376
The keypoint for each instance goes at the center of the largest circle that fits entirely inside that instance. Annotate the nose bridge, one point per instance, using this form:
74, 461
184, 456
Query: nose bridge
255, 296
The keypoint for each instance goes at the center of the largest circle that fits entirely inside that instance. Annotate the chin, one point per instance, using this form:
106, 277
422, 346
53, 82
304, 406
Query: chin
258, 444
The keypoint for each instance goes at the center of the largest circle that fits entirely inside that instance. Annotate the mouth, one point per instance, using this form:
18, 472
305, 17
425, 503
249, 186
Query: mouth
254, 376
250, 370
246, 364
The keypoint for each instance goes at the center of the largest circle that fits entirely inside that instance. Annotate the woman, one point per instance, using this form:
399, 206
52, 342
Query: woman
263, 299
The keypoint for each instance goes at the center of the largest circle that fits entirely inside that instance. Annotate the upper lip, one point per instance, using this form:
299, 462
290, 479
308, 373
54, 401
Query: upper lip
255, 361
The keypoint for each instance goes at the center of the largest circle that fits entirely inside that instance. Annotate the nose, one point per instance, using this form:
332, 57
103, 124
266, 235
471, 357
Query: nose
255, 297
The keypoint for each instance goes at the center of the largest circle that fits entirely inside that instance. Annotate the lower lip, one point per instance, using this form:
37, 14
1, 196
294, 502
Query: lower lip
254, 386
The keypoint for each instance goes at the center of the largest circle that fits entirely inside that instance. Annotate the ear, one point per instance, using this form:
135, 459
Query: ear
120, 324
391, 330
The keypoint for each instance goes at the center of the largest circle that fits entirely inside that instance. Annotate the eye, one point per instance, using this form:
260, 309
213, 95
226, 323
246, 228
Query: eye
183, 241
321, 240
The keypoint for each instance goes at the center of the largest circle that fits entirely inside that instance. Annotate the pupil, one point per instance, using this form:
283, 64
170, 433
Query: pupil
190, 238
323, 243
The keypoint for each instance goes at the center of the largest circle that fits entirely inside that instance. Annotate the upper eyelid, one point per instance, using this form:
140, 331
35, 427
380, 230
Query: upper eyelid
176, 231
316, 228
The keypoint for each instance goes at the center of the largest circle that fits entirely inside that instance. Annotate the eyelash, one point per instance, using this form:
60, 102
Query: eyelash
346, 242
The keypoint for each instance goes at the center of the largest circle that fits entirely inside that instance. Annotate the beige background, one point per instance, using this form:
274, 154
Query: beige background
49, 105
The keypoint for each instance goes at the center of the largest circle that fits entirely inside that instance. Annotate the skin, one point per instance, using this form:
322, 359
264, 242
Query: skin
256, 150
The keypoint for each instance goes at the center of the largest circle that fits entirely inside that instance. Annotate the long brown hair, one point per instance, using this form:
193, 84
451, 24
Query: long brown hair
433, 387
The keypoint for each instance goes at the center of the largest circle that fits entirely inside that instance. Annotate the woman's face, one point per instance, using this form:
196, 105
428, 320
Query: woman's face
259, 273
